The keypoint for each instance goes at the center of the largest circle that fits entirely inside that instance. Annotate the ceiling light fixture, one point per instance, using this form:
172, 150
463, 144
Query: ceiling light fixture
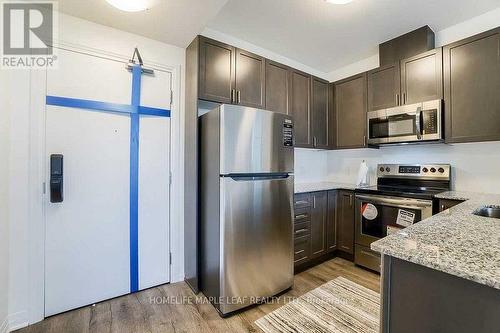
339, 2
132, 5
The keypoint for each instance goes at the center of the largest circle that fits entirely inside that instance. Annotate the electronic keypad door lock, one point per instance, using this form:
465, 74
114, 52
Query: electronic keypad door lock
56, 178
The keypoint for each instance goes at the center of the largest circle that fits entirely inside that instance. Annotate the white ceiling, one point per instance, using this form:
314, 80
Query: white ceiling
326, 36
174, 22
317, 34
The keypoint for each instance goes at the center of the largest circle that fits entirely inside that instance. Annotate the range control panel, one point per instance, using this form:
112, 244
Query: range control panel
441, 171
288, 133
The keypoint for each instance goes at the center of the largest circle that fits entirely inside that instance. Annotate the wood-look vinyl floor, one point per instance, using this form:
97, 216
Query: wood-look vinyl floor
147, 311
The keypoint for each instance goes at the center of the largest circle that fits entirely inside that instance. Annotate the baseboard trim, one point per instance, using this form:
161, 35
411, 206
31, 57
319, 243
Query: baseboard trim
17, 320
5, 325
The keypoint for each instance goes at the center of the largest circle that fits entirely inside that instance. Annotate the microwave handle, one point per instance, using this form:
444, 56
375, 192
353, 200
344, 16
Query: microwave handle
418, 122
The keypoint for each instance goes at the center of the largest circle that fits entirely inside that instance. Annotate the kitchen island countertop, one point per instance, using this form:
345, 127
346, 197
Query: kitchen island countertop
454, 241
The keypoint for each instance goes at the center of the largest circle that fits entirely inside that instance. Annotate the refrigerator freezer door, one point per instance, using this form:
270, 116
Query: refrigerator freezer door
255, 141
256, 240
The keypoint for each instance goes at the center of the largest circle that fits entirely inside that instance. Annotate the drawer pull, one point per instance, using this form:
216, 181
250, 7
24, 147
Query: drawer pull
302, 202
301, 216
299, 252
300, 230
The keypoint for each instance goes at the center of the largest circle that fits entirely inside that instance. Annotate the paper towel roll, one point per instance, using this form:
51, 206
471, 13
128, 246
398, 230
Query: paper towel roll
362, 174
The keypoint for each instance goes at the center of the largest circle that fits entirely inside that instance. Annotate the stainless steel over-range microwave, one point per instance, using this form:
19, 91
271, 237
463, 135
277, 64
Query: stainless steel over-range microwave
407, 123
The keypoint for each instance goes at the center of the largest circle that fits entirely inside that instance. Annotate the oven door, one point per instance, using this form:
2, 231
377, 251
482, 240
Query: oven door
377, 216
407, 123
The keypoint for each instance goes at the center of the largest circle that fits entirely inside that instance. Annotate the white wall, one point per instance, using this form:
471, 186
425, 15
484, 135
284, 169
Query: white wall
25, 249
310, 165
4, 199
475, 165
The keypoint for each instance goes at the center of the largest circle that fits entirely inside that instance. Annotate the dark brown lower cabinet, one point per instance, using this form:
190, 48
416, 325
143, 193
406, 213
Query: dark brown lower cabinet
331, 225
445, 204
345, 221
318, 223
302, 228
323, 223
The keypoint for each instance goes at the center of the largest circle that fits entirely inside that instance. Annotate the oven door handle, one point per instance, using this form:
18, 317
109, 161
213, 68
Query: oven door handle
397, 202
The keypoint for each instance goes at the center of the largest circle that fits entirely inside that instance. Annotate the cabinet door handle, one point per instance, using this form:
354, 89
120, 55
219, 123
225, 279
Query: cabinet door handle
314, 141
299, 252
350, 198
301, 216
404, 98
397, 99
442, 207
300, 230
238, 93
232, 96
314, 202
364, 140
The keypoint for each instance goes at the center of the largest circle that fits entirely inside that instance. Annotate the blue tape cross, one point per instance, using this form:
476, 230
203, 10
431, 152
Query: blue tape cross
135, 110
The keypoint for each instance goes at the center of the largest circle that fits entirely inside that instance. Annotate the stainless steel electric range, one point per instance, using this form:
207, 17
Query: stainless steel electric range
404, 195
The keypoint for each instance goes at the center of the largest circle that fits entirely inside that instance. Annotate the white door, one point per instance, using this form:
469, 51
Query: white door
87, 243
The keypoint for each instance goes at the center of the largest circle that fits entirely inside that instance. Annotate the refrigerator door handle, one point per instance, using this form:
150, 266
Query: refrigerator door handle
251, 177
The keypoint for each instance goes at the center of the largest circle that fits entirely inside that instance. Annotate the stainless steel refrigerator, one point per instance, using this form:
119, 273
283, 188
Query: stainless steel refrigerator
246, 205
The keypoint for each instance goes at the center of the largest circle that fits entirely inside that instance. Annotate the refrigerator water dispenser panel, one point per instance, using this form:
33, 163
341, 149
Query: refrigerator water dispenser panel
288, 133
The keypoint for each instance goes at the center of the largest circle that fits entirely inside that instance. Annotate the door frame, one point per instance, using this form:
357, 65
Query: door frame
37, 177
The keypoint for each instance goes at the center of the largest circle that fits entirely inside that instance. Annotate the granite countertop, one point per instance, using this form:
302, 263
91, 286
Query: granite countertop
454, 241
322, 186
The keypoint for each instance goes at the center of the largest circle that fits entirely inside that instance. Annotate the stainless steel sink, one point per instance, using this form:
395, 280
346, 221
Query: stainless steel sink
488, 211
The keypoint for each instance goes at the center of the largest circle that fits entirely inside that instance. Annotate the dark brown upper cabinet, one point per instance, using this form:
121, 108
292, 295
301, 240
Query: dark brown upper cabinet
350, 112
383, 87
318, 223
300, 107
411, 80
320, 113
277, 81
250, 79
406, 46
472, 88
422, 77
216, 71
230, 75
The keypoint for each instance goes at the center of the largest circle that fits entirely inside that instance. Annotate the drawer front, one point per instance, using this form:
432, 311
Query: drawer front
302, 250
301, 229
302, 214
302, 200
365, 257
